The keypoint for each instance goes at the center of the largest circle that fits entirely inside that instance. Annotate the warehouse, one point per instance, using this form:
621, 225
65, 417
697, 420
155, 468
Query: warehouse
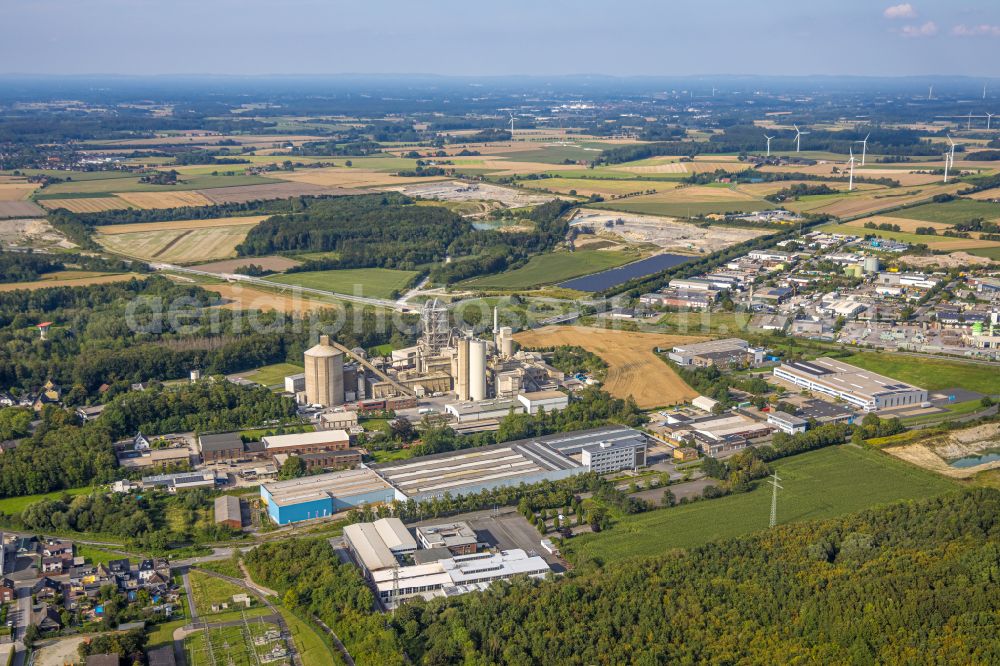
787, 423
223, 447
601, 450
473, 470
307, 442
480, 410
228, 511
550, 401
720, 353
376, 546
858, 387
324, 495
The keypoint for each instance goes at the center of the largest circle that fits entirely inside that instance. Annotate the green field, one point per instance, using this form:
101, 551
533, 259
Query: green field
12, 505
988, 252
272, 375
951, 212
682, 209
819, 484
209, 591
551, 268
930, 373
370, 282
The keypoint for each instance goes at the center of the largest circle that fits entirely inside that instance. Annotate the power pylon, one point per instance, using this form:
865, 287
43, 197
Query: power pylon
775, 486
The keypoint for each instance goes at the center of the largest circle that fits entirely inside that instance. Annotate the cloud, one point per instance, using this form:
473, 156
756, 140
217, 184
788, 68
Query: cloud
928, 29
982, 30
901, 11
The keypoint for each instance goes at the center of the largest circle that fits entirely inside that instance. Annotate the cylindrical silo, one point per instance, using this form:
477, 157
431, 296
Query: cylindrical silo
871, 265
477, 370
507, 342
462, 374
324, 370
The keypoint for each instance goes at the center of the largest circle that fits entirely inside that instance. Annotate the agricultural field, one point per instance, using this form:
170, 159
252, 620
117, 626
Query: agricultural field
933, 374
274, 263
146, 200
272, 190
952, 212
181, 242
370, 282
241, 297
130, 183
456, 191
353, 177
605, 187
819, 484
689, 201
15, 188
552, 268
11, 209
97, 204
868, 202
633, 368
906, 225
988, 252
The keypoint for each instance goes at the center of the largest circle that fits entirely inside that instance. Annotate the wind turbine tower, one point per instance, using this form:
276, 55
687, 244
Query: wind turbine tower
850, 182
775, 486
511, 124
930, 93
946, 162
970, 120
798, 138
989, 119
864, 147
768, 144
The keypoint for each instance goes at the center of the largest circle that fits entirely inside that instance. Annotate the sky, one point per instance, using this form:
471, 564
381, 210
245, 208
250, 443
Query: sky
512, 37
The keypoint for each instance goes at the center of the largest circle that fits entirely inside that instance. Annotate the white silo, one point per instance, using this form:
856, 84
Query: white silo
871, 265
324, 374
477, 369
462, 370
506, 342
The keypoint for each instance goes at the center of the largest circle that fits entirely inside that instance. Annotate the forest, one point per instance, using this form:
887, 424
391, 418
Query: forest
364, 231
912, 582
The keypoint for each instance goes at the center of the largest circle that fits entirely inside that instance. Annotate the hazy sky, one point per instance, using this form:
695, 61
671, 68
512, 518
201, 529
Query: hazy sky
470, 37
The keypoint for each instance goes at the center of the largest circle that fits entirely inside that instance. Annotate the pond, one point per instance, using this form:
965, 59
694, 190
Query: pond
991, 455
616, 276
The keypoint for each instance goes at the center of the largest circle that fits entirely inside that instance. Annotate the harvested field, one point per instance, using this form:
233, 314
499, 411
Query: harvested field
871, 202
456, 190
274, 263
906, 177
668, 233
239, 297
606, 187
182, 246
86, 204
114, 229
245, 193
350, 177
147, 200
20, 209
934, 453
764, 189
70, 282
662, 167
905, 225
13, 188
633, 368
992, 194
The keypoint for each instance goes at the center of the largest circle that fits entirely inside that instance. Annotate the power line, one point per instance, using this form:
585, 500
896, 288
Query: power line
775, 485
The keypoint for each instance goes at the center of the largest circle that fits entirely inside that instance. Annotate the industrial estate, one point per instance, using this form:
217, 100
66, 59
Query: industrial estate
502, 370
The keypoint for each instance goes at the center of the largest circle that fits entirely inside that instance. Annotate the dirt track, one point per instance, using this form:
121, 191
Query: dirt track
633, 368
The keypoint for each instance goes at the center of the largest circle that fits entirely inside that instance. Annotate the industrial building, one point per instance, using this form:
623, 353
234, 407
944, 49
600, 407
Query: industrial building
455, 575
601, 450
307, 442
473, 470
861, 388
715, 435
787, 423
324, 495
222, 447
377, 546
338, 420
458, 538
605, 457
469, 411
181, 481
719, 353
324, 373
550, 401
296, 383
228, 511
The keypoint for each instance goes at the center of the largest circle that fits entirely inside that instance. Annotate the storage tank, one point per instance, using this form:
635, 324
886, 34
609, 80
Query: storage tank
462, 370
477, 369
507, 342
324, 374
871, 265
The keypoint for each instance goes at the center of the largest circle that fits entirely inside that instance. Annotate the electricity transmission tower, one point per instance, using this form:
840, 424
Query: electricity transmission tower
775, 486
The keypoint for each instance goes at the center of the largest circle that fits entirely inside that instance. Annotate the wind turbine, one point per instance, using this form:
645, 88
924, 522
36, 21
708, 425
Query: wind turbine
946, 162
984, 91
850, 183
768, 144
989, 117
511, 124
952, 149
798, 137
930, 92
970, 120
864, 147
